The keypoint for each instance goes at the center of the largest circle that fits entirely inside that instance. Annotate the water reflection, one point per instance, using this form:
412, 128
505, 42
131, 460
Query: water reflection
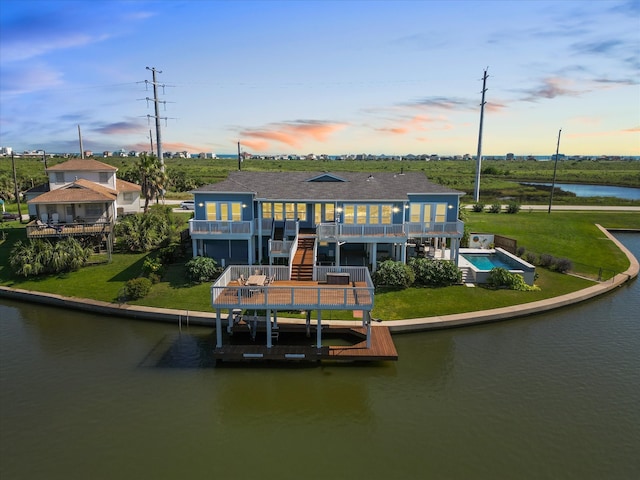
548, 396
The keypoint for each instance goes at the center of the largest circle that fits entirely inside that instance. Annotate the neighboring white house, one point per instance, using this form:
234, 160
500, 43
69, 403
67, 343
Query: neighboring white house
83, 190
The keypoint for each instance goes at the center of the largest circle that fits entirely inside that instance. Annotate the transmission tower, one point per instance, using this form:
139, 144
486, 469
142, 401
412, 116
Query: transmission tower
156, 103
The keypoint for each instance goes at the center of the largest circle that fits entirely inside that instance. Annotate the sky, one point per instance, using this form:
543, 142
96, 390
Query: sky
323, 77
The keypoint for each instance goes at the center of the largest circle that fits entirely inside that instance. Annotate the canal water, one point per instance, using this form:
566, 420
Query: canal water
586, 190
550, 396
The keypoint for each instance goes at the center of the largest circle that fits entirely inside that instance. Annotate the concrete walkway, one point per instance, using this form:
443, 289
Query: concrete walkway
185, 317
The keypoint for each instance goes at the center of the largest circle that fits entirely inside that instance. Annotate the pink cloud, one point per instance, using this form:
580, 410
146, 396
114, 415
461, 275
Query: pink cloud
291, 134
417, 123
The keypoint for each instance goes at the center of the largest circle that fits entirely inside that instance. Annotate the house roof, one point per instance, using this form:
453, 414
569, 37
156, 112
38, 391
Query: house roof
328, 186
80, 191
82, 165
124, 186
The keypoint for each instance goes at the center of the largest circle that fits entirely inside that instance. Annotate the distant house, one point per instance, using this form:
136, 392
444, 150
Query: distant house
83, 196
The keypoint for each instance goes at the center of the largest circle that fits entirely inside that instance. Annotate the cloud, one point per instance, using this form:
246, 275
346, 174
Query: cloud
551, 88
17, 80
602, 47
445, 103
34, 29
119, 128
293, 134
416, 123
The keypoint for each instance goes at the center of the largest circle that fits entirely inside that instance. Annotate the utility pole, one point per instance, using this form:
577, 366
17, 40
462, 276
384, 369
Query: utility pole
479, 155
555, 168
156, 103
81, 147
151, 140
239, 158
15, 185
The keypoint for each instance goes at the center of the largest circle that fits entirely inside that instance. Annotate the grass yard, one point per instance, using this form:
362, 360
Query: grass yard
563, 234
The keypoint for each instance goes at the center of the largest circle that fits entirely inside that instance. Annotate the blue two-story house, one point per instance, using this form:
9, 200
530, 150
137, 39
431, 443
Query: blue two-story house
322, 218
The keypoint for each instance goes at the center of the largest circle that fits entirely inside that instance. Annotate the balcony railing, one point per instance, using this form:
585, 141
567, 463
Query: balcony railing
38, 229
220, 227
418, 229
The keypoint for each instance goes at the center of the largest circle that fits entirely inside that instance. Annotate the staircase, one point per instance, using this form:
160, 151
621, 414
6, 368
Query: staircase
466, 275
302, 267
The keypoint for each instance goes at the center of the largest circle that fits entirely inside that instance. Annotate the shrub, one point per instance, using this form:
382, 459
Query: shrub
501, 277
152, 266
393, 274
562, 265
520, 251
137, 288
202, 269
435, 273
40, 257
495, 208
513, 207
545, 260
170, 253
531, 258
478, 207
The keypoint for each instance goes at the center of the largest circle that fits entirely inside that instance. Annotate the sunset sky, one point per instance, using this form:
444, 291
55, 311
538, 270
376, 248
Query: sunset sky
323, 77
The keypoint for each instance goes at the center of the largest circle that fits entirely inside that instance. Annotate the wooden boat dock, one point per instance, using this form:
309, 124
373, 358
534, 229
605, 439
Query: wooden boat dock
344, 344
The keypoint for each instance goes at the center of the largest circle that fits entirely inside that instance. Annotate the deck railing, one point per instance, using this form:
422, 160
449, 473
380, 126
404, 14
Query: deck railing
217, 227
37, 229
226, 292
434, 228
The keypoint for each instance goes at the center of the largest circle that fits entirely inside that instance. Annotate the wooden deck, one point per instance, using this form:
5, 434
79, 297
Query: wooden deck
295, 295
67, 230
293, 345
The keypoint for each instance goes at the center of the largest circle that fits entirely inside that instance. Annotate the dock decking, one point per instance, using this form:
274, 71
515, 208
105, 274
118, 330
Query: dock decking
242, 348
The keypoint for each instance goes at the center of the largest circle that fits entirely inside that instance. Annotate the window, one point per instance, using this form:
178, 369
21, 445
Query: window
93, 210
361, 215
278, 213
441, 212
349, 214
329, 212
212, 210
59, 177
385, 218
290, 211
374, 214
224, 211
127, 196
267, 210
236, 211
302, 212
104, 177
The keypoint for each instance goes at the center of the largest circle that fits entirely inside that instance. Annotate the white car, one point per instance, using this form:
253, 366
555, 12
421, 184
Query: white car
188, 205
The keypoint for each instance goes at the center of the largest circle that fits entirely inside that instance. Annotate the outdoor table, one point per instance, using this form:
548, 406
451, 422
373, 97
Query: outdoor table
256, 280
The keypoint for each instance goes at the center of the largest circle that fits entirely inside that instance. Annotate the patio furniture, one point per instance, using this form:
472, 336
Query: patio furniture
337, 278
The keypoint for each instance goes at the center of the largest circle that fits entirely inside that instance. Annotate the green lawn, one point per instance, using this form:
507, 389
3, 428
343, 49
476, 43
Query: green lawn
562, 234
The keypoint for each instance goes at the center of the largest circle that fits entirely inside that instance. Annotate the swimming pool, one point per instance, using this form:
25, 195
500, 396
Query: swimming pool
480, 262
486, 261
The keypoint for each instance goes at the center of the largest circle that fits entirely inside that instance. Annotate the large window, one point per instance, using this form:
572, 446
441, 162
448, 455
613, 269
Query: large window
224, 211
428, 212
285, 211
371, 214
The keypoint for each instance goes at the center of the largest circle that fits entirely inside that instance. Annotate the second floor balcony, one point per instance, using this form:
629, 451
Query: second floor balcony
39, 229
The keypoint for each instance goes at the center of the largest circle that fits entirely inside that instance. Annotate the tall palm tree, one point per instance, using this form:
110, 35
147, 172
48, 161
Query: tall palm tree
153, 180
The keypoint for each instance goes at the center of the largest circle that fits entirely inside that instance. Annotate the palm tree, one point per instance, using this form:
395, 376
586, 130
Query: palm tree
153, 180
